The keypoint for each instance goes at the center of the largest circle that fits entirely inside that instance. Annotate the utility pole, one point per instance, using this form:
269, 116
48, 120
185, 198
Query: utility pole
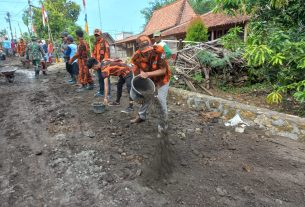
99, 9
31, 18
8, 19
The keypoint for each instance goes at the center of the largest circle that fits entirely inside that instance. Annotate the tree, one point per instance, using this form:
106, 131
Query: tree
3, 33
154, 5
275, 46
196, 31
202, 6
62, 16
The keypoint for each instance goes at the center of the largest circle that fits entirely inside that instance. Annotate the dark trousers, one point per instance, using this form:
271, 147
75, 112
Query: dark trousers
101, 83
127, 79
69, 69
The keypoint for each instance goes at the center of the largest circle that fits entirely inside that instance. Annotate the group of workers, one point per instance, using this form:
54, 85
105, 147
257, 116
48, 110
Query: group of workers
149, 61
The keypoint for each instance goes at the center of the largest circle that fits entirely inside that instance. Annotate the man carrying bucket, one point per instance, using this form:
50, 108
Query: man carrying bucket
114, 68
150, 62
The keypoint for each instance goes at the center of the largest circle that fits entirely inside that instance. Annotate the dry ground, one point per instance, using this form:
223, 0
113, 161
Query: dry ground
54, 151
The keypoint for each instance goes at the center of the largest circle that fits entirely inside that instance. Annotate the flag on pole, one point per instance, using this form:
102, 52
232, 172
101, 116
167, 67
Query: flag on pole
44, 16
86, 20
86, 24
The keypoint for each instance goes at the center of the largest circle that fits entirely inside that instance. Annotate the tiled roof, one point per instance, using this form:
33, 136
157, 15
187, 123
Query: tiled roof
166, 17
175, 17
169, 16
210, 20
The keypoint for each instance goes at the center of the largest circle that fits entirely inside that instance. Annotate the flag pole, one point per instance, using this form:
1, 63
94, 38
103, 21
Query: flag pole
86, 25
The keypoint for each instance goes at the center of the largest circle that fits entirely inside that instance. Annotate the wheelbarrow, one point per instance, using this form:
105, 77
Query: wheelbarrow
8, 73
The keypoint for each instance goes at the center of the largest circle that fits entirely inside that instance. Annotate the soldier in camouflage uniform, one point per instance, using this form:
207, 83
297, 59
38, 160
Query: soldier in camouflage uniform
35, 53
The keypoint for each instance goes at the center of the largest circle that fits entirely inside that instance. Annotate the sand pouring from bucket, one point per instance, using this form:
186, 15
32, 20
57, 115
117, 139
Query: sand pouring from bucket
142, 88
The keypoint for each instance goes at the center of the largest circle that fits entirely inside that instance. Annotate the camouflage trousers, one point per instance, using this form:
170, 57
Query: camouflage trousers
37, 67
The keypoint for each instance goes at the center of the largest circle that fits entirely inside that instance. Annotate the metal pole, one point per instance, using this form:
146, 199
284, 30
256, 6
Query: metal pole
9, 21
31, 17
99, 9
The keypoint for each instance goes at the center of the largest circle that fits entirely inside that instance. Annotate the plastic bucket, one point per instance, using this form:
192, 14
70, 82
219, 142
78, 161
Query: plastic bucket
141, 88
98, 107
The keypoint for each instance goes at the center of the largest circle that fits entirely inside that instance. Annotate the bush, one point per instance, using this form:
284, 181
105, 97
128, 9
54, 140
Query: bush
196, 31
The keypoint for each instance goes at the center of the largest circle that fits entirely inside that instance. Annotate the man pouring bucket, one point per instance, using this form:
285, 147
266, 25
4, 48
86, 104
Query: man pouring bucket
150, 62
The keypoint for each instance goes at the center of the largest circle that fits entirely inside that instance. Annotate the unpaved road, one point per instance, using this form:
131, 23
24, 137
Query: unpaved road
54, 151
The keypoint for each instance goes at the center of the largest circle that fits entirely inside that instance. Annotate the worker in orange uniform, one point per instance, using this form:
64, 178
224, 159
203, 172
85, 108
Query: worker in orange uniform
150, 62
114, 68
101, 52
21, 46
50, 51
82, 55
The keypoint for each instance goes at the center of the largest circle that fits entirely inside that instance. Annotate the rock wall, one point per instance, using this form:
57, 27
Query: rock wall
273, 122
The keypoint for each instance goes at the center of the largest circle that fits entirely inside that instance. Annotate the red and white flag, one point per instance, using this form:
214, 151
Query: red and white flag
44, 16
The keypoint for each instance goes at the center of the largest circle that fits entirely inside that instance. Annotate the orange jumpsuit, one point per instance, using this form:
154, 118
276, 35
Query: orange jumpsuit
101, 50
82, 57
21, 46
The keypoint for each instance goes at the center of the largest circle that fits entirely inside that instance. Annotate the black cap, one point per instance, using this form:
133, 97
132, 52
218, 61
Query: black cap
64, 34
70, 38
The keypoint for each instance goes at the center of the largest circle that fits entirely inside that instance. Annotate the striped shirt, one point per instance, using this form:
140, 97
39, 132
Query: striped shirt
115, 68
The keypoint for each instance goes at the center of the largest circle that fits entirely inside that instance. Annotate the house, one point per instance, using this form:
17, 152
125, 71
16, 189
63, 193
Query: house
173, 19
111, 42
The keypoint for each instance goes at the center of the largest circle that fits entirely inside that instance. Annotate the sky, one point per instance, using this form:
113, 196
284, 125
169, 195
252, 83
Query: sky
116, 15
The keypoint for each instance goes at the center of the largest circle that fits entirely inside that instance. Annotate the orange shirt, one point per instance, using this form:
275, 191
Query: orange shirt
82, 51
101, 50
50, 48
118, 69
152, 60
21, 46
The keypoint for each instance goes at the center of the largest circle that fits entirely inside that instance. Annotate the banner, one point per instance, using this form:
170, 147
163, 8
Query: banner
44, 16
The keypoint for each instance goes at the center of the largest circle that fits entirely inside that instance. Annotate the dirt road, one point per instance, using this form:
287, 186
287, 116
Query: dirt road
54, 151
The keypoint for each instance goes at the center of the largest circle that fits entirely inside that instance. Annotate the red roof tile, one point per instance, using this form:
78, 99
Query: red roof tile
211, 20
175, 17
169, 16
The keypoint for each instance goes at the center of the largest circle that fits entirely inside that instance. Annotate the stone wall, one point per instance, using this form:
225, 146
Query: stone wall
273, 122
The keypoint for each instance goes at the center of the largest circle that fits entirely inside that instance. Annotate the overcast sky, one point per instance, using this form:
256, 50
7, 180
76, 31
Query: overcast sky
116, 15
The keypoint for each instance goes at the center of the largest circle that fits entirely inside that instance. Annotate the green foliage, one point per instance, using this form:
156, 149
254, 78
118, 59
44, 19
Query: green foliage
3, 32
298, 89
62, 15
196, 31
154, 5
211, 60
198, 77
202, 6
275, 48
250, 88
232, 40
